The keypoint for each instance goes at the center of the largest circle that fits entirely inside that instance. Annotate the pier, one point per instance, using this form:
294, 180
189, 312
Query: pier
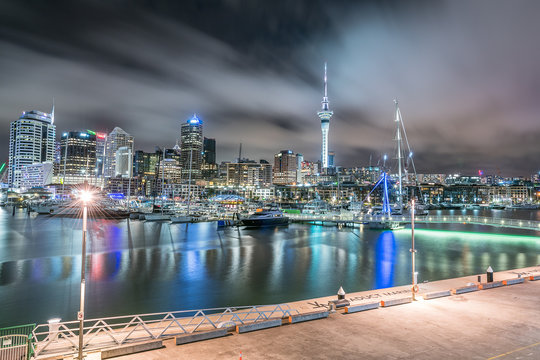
464, 317
429, 219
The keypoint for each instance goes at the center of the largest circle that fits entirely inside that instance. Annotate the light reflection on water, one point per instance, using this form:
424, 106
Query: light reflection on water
137, 267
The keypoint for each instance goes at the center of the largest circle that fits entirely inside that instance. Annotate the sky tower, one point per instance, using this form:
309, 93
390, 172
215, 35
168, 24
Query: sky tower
325, 114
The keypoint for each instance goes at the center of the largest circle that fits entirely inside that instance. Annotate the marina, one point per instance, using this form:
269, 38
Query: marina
137, 266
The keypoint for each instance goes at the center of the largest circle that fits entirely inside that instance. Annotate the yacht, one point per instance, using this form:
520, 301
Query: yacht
270, 217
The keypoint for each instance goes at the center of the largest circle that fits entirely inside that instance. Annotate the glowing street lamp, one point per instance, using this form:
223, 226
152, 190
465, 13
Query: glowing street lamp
414, 288
86, 197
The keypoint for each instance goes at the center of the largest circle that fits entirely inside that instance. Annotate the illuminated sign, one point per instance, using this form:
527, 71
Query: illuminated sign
90, 132
101, 135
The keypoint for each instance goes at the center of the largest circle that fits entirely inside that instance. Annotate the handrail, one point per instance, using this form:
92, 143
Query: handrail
62, 337
463, 219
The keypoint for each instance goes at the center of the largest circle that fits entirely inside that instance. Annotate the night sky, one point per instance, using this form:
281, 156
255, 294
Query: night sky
465, 73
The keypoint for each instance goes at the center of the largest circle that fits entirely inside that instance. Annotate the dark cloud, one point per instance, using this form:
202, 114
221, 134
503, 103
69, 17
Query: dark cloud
465, 74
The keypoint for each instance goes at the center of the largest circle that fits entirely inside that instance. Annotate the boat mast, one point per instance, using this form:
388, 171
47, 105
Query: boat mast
399, 157
162, 179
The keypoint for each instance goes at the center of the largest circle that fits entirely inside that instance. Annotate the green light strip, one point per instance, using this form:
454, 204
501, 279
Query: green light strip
2, 167
467, 234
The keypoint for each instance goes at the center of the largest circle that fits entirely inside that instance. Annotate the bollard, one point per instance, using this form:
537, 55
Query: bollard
341, 293
489, 274
54, 327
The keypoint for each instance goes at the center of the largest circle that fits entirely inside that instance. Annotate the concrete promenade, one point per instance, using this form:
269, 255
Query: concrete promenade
501, 323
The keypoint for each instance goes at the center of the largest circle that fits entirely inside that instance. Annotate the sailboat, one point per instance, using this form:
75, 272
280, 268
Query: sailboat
388, 217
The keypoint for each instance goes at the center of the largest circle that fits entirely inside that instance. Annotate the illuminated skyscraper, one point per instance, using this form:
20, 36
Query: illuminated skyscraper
78, 154
325, 114
116, 139
285, 168
31, 140
191, 136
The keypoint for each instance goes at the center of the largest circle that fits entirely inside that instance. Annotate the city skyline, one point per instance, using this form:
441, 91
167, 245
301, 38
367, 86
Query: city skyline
466, 82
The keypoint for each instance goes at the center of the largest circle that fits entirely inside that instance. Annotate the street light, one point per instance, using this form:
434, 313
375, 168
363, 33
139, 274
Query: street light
414, 288
86, 197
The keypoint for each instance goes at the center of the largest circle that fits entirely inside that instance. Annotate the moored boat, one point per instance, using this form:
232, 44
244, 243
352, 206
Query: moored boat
270, 217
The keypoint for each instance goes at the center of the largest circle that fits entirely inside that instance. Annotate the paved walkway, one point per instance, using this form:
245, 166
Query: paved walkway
501, 323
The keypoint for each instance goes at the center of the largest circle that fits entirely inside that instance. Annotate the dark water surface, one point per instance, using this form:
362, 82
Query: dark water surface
136, 267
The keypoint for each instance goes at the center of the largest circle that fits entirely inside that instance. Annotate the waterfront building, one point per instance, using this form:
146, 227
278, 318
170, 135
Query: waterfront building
116, 139
249, 173
170, 170
325, 115
31, 140
191, 148
135, 186
77, 156
36, 175
284, 168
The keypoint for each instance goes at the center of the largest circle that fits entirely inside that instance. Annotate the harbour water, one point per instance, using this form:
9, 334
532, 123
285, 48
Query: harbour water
144, 267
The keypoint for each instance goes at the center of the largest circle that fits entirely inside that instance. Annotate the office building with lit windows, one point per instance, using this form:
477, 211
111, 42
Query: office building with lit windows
77, 156
191, 148
285, 168
31, 140
116, 139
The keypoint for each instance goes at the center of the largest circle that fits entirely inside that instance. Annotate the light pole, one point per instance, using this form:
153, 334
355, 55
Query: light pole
85, 197
414, 288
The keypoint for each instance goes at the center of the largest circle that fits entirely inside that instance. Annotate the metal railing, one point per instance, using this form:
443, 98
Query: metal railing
15, 342
62, 337
454, 219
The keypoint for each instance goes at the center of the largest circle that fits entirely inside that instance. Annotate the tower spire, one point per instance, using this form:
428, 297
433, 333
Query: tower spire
325, 98
325, 115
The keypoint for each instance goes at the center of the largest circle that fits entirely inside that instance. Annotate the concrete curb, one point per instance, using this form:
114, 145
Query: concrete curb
207, 335
465, 289
240, 329
293, 319
362, 307
436, 294
131, 349
513, 281
490, 285
394, 302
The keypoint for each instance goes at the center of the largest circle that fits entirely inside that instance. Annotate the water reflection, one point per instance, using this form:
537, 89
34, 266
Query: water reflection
138, 267
385, 253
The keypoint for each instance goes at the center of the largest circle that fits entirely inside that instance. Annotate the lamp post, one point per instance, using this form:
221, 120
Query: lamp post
414, 288
85, 198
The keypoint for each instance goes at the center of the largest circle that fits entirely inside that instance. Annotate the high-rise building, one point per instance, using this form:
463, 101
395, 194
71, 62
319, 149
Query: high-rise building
209, 169
116, 139
249, 173
101, 142
331, 158
124, 162
209, 151
325, 115
31, 140
299, 174
191, 148
77, 155
285, 168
